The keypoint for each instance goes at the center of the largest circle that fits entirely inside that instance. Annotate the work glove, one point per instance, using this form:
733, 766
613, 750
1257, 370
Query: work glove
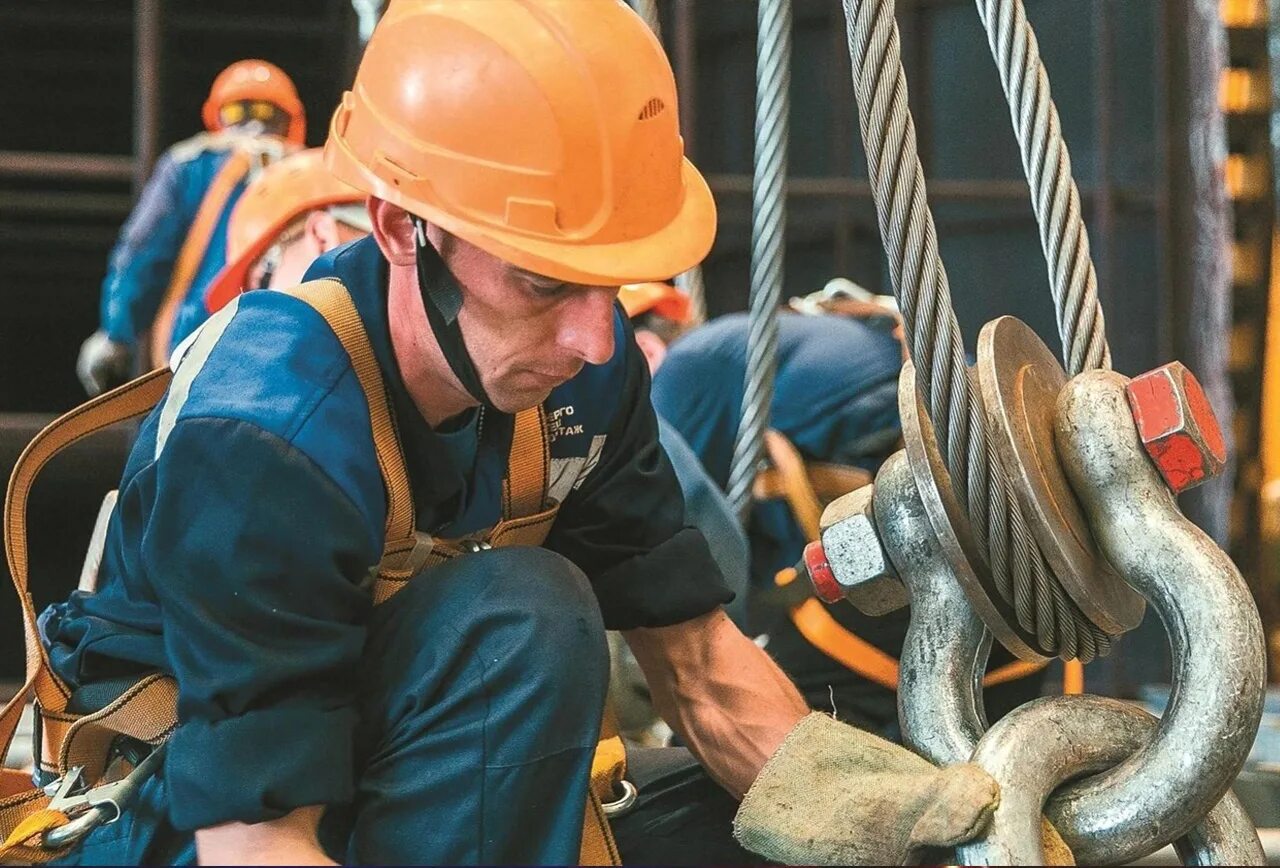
835, 795
103, 364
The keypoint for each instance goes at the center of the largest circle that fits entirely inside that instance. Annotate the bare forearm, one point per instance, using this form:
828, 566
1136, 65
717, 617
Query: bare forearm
728, 700
290, 840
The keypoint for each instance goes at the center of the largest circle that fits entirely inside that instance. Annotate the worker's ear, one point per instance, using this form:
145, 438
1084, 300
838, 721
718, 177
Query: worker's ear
322, 231
394, 232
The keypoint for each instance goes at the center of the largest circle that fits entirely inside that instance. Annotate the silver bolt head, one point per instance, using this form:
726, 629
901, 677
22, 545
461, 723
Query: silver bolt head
857, 559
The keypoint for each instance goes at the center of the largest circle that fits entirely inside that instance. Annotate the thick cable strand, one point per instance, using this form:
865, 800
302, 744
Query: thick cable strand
773, 104
1054, 196
1021, 575
648, 10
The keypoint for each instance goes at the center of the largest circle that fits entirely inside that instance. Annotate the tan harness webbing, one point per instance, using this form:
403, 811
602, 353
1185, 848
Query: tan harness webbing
148, 710
193, 249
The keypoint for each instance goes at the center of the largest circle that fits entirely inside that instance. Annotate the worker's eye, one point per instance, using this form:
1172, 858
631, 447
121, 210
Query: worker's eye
232, 113
548, 288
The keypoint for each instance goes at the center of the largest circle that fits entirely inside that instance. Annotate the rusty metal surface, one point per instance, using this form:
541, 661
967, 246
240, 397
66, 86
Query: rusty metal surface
1020, 380
1214, 632
948, 519
1035, 748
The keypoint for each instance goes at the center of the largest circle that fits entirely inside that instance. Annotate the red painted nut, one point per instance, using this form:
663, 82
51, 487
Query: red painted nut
824, 582
1177, 426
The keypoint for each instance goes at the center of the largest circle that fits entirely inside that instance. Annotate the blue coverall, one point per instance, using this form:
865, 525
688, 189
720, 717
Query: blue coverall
142, 261
454, 723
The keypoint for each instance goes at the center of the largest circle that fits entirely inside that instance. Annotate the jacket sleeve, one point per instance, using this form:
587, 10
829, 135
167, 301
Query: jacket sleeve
625, 527
142, 260
258, 559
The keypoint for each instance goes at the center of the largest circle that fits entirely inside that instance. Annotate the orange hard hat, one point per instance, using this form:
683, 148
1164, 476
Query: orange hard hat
283, 192
661, 298
256, 80
542, 131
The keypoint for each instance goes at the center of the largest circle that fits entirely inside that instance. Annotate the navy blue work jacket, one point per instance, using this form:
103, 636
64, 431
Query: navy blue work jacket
251, 511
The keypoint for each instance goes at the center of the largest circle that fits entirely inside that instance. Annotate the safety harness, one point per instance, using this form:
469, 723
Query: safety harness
39, 824
249, 156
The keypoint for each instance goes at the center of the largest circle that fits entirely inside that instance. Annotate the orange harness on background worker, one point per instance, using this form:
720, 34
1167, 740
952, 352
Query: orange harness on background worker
147, 711
807, 488
249, 156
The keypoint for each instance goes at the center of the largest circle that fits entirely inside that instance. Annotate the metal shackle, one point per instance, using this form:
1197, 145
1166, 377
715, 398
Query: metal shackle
1214, 632
1036, 747
946, 647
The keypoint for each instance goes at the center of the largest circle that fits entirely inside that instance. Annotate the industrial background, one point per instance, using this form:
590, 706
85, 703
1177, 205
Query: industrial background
1166, 105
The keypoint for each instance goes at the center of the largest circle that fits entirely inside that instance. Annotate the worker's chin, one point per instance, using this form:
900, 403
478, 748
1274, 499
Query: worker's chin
513, 400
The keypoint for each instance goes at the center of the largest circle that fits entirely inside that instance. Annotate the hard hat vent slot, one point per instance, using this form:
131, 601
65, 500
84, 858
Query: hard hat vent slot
652, 109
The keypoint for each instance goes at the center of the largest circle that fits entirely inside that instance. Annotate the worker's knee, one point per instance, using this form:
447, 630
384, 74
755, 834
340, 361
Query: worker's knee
546, 607
529, 613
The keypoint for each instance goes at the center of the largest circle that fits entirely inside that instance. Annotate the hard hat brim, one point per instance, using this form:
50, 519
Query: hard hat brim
673, 249
230, 281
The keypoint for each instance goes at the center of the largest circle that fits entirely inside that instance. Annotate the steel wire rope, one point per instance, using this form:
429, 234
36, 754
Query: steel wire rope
768, 226
1054, 195
1021, 576
689, 282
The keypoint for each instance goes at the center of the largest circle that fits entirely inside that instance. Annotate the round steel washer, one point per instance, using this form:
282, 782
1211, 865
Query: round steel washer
1020, 380
950, 524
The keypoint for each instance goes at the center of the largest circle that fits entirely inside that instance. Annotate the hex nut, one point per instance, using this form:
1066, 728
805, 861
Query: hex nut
1177, 426
861, 567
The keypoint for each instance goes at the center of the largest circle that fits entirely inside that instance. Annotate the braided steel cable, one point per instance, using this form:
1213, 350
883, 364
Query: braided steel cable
768, 194
1021, 575
1054, 195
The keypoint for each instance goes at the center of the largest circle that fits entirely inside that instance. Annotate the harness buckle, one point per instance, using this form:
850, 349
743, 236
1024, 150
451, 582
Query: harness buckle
91, 807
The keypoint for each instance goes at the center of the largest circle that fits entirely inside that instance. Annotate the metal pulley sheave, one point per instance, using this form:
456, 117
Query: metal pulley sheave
1036, 505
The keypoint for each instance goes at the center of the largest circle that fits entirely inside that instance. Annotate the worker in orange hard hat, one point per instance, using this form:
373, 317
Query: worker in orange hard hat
379, 523
173, 243
292, 213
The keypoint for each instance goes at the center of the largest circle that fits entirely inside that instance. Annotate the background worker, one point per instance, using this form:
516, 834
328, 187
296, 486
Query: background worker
289, 215
173, 243
450, 714
836, 399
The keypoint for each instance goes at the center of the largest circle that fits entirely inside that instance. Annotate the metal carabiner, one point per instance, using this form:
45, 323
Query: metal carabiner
96, 806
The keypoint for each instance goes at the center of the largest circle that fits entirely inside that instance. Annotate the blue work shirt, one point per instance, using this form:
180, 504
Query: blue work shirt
835, 398
252, 510
141, 263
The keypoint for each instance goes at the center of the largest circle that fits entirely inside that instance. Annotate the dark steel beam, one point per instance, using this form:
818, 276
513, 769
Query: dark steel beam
146, 89
686, 70
37, 164
942, 190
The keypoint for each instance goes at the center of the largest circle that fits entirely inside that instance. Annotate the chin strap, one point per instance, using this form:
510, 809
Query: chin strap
442, 298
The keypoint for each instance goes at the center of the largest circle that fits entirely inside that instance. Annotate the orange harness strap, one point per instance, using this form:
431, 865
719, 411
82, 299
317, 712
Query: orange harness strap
194, 247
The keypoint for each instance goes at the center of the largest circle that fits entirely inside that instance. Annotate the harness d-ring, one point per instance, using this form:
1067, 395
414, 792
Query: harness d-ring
624, 803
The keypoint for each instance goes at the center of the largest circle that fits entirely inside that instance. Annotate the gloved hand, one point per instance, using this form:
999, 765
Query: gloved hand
103, 363
835, 795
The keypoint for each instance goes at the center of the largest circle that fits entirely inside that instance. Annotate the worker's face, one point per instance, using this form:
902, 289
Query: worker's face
526, 333
653, 347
